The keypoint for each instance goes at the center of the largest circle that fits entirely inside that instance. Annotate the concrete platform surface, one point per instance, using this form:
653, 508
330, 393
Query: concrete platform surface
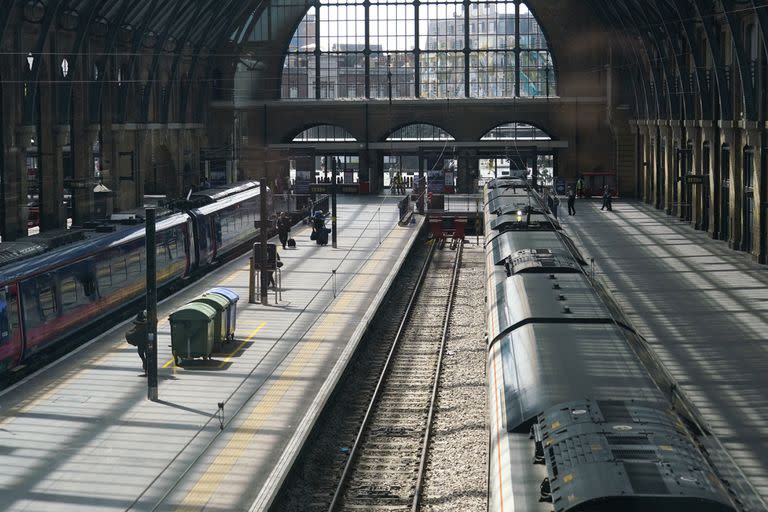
81, 434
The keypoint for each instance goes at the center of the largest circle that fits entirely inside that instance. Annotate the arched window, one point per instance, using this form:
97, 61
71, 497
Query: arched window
516, 131
473, 49
324, 133
414, 132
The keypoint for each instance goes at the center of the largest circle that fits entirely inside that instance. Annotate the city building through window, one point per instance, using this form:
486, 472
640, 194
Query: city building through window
474, 49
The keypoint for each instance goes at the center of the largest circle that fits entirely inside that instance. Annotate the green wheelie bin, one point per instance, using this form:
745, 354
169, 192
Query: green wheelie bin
221, 305
192, 331
233, 298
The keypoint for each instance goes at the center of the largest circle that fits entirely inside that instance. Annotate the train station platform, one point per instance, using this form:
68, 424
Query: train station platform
702, 307
81, 435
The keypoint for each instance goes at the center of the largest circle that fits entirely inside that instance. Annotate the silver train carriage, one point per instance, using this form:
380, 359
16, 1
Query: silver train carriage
576, 421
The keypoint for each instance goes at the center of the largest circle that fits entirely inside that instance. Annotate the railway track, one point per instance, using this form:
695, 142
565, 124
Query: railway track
386, 464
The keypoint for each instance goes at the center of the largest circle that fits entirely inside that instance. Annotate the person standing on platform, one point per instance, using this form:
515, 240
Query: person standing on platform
273, 264
137, 336
555, 204
571, 201
283, 228
580, 187
606, 199
319, 232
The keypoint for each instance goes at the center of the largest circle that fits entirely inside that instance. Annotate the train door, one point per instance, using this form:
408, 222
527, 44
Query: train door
11, 336
748, 202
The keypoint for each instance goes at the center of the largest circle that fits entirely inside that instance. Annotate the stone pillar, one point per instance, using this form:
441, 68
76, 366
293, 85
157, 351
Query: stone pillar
672, 185
473, 172
82, 162
660, 178
708, 166
364, 173
752, 137
51, 168
464, 174
729, 135
14, 197
375, 164
647, 162
696, 192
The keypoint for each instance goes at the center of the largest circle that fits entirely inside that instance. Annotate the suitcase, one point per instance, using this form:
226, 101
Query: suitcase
322, 237
292, 243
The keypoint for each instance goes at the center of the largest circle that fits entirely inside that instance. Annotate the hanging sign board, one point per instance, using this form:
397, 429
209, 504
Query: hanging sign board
305, 168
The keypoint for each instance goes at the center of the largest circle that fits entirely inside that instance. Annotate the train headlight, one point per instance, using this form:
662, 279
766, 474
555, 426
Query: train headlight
519, 215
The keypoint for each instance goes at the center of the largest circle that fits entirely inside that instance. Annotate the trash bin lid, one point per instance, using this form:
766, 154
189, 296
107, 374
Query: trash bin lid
232, 296
198, 311
218, 302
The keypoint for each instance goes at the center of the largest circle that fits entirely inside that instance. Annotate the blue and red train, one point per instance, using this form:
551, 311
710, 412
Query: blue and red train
47, 298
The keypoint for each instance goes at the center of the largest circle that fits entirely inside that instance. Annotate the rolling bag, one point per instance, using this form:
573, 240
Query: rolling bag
292, 243
322, 237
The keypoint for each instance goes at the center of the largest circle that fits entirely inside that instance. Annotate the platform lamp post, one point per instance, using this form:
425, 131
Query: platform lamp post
333, 201
151, 306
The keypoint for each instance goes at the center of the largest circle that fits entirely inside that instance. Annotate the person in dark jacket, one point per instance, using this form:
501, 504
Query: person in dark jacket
571, 201
606, 199
273, 264
318, 229
137, 336
283, 228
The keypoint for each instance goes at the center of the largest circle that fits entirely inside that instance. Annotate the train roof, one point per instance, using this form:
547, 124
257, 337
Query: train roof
226, 202
624, 454
506, 244
211, 195
47, 261
546, 363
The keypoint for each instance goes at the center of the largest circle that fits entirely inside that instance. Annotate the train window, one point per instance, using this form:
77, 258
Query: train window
68, 292
13, 314
133, 263
88, 281
5, 326
119, 269
160, 253
173, 248
104, 274
46, 301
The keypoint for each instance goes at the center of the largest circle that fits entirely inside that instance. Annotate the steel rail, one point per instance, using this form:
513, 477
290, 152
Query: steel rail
380, 383
435, 386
